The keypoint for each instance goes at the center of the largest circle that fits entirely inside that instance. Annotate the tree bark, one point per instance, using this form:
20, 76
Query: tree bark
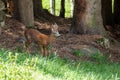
52, 6
117, 11
41, 13
16, 13
38, 9
87, 17
62, 9
26, 12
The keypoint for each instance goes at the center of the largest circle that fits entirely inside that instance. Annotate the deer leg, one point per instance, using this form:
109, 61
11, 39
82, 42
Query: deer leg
27, 44
45, 51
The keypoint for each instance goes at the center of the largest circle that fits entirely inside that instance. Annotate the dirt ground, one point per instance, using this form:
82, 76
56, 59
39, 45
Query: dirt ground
12, 37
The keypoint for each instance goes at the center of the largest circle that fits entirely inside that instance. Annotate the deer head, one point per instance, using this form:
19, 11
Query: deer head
54, 29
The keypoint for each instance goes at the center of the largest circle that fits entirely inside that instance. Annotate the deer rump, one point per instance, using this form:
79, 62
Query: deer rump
36, 37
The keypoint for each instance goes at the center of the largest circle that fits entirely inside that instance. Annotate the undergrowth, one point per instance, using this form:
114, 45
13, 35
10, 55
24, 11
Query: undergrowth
97, 57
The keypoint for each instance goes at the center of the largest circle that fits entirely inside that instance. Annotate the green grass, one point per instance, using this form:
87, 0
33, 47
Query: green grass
23, 66
46, 5
97, 57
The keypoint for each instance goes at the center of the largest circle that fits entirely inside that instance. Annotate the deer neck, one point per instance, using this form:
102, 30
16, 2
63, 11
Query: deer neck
52, 37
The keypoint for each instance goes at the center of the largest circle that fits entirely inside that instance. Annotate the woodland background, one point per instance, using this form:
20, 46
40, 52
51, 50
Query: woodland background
88, 48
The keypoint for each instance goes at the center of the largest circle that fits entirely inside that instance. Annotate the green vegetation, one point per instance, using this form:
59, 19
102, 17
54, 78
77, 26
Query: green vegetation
46, 5
15, 65
97, 57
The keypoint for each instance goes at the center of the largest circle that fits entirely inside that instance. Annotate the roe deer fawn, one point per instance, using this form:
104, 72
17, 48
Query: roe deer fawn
41, 39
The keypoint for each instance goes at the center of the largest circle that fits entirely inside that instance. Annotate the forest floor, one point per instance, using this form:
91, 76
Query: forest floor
12, 37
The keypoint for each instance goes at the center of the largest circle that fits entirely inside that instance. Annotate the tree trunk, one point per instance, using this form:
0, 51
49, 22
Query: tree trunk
52, 6
38, 9
62, 9
117, 11
87, 17
26, 12
41, 13
16, 13
107, 12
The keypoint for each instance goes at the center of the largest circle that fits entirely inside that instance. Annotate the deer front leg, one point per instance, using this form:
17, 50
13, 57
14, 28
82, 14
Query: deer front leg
42, 50
45, 51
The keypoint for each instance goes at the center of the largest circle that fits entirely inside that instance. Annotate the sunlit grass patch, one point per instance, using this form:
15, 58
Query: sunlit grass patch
22, 66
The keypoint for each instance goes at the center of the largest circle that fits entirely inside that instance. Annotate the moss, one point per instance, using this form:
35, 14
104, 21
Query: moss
92, 22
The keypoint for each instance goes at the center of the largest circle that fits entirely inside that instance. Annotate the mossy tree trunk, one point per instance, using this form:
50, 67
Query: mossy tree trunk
87, 17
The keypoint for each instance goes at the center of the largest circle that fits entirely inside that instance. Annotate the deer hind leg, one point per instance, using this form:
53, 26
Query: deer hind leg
44, 51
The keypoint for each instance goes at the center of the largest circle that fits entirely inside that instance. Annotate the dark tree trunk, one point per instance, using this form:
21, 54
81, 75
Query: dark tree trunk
41, 13
117, 11
16, 14
62, 9
26, 12
107, 12
38, 9
87, 17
